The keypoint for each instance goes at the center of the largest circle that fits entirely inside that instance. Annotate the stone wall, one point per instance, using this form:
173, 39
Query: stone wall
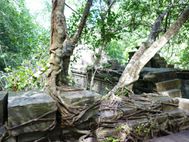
166, 81
26, 114
103, 81
33, 116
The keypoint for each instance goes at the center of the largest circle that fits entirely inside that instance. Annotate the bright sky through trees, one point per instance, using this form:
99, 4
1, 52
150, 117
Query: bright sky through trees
38, 9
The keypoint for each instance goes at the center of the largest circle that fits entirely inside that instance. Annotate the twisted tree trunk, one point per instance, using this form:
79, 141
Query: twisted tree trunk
62, 45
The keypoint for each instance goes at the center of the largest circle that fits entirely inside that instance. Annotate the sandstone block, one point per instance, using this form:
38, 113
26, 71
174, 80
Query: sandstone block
172, 93
184, 104
158, 74
168, 85
31, 112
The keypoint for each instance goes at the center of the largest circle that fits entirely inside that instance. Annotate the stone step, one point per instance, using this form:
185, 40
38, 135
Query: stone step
172, 93
168, 85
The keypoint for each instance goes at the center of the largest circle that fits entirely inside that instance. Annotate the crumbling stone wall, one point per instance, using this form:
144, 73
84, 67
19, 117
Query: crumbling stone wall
33, 116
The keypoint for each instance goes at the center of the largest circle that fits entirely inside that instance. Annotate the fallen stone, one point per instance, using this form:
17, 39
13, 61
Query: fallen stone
10, 139
2, 131
158, 74
33, 111
183, 75
143, 86
184, 104
185, 88
172, 93
118, 133
79, 102
168, 85
81, 97
147, 116
3, 107
54, 135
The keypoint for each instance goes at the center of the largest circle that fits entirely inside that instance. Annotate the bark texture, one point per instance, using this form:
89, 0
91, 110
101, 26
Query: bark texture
62, 46
145, 53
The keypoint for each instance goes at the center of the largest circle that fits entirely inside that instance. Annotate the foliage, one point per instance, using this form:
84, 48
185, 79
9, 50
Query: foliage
111, 139
177, 51
30, 74
125, 25
117, 50
142, 130
118, 30
18, 33
23, 48
103, 26
184, 58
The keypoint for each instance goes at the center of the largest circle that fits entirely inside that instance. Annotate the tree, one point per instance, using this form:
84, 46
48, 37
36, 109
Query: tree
145, 53
62, 47
61, 44
107, 27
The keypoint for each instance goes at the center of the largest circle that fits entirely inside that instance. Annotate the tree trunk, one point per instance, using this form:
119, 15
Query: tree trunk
61, 49
70, 43
145, 53
62, 45
58, 36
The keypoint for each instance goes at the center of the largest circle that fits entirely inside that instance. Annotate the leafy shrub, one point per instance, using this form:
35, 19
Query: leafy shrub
30, 74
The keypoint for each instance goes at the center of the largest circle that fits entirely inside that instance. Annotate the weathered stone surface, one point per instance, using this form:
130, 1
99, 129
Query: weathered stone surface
3, 107
184, 104
54, 135
106, 79
183, 75
80, 79
150, 78
2, 131
168, 85
10, 139
80, 97
102, 86
143, 86
119, 133
172, 93
185, 88
31, 112
158, 74
178, 137
78, 102
147, 115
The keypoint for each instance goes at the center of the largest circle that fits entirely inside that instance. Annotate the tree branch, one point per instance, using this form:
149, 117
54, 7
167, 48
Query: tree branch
71, 8
109, 7
156, 28
82, 21
143, 55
